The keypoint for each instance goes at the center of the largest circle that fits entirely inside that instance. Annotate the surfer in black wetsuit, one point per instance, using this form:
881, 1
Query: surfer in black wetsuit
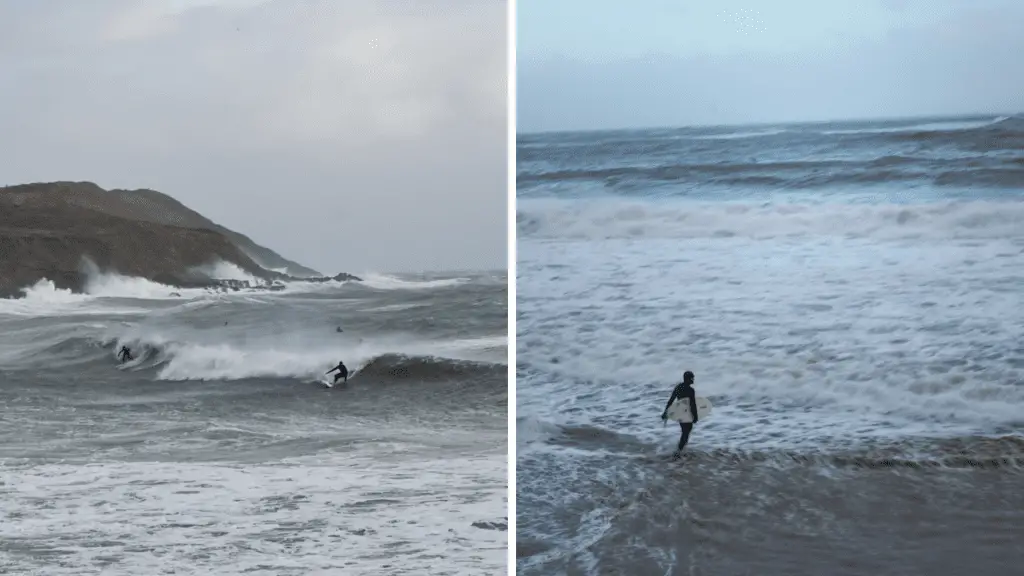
125, 354
683, 390
342, 372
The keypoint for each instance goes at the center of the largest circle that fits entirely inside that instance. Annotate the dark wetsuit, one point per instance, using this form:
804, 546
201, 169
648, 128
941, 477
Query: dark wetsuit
683, 390
342, 372
125, 354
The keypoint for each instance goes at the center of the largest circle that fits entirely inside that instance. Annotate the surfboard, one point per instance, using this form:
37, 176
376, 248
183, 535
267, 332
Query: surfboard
680, 409
325, 382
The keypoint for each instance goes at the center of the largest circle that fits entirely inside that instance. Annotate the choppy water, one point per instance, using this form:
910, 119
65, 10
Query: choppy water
851, 298
218, 451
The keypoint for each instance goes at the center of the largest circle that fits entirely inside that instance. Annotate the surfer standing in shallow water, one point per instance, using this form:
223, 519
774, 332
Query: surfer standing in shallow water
683, 390
342, 372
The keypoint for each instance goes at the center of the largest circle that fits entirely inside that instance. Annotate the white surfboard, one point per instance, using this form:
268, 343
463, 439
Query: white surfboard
325, 382
329, 382
680, 409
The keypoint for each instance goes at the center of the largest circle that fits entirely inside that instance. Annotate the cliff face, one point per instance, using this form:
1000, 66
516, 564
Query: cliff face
152, 206
46, 230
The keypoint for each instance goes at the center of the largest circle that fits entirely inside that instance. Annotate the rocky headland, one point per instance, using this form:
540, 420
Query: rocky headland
65, 231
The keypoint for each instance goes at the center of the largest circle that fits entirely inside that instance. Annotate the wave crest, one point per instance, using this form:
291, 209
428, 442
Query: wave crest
991, 453
615, 218
402, 367
176, 360
383, 282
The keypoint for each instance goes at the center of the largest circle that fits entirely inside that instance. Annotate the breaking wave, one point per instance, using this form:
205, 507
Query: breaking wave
383, 282
951, 155
801, 175
398, 366
1004, 452
212, 361
924, 128
180, 361
618, 218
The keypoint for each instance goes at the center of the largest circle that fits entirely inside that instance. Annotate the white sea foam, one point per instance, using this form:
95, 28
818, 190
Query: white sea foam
740, 135
923, 127
222, 270
330, 515
190, 356
45, 299
384, 282
113, 285
611, 218
800, 341
45, 292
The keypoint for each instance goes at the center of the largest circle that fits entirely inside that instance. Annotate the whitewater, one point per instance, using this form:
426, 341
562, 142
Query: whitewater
849, 295
217, 448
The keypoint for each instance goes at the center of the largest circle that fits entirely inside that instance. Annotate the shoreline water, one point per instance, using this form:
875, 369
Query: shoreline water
847, 296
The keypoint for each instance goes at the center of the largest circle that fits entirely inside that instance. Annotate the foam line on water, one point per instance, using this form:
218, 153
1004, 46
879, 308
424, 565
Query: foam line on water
797, 344
385, 282
207, 517
187, 356
925, 127
612, 217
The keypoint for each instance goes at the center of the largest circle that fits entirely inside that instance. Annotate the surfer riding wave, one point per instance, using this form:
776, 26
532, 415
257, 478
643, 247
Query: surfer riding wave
342, 372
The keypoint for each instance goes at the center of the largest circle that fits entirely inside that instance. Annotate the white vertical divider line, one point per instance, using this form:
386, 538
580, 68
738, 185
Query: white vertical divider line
511, 115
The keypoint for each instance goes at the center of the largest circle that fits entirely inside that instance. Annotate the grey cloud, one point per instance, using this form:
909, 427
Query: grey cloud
346, 135
969, 63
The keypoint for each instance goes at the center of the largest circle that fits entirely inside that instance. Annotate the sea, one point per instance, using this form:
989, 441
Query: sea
219, 450
849, 295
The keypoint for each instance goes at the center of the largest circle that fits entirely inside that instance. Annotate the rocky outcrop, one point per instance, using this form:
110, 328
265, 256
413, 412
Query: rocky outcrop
343, 277
146, 205
273, 282
59, 230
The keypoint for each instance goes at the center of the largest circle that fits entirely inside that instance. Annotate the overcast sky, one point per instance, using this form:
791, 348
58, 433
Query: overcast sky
346, 135
608, 63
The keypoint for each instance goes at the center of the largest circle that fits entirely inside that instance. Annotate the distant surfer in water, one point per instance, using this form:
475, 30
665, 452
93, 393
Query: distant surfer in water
683, 390
342, 372
125, 354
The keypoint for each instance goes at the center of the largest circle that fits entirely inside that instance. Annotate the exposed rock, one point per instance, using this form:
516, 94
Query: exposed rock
343, 277
59, 230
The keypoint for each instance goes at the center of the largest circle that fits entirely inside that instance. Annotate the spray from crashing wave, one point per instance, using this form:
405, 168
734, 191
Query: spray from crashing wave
296, 356
221, 270
384, 282
188, 335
